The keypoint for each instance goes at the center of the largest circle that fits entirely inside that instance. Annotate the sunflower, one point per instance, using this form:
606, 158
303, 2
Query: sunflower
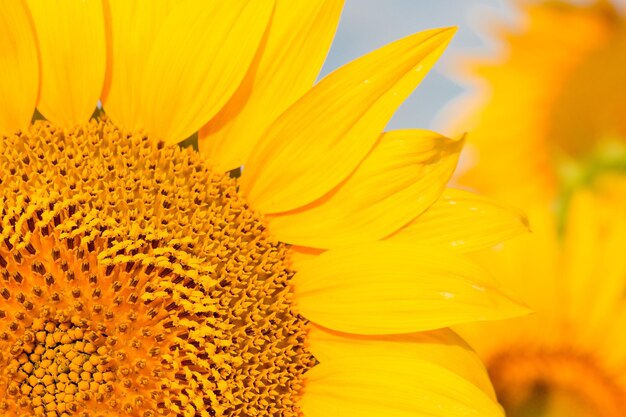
553, 96
142, 278
550, 138
569, 357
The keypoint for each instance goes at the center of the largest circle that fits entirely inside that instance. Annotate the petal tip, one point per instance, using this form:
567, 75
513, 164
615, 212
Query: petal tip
448, 32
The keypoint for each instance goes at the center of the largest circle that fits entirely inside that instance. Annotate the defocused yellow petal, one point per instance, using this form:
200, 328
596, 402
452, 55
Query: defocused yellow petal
321, 139
72, 49
583, 249
19, 67
593, 247
545, 110
464, 221
387, 288
442, 347
190, 74
403, 175
528, 267
392, 387
133, 28
287, 64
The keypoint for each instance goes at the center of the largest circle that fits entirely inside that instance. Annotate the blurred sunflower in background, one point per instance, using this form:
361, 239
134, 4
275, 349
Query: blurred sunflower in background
553, 97
140, 278
547, 125
567, 359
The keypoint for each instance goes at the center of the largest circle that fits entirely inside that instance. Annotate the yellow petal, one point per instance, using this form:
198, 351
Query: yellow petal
72, 49
464, 221
593, 247
391, 387
321, 139
528, 266
133, 28
403, 175
19, 67
198, 59
387, 288
300, 255
442, 347
287, 64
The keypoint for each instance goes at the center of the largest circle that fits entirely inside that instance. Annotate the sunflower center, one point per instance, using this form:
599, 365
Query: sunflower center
557, 383
136, 281
58, 367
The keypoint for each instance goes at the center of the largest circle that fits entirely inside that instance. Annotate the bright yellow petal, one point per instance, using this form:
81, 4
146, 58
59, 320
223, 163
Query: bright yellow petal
403, 175
464, 221
198, 59
133, 28
72, 49
301, 254
442, 347
528, 266
288, 62
387, 288
19, 68
391, 387
321, 139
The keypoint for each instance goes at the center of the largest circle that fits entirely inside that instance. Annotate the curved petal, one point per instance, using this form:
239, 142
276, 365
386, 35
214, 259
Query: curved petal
388, 288
392, 387
401, 177
19, 67
463, 221
287, 64
321, 139
441, 347
190, 74
133, 26
72, 50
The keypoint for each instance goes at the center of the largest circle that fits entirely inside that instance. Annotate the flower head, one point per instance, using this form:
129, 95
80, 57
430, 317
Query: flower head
550, 138
553, 96
138, 278
568, 357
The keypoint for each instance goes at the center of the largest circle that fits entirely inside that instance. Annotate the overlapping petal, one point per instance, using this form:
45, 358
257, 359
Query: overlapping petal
199, 68
321, 139
285, 67
19, 67
132, 29
401, 177
463, 221
441, 347
387, 288
385, 385
72, 50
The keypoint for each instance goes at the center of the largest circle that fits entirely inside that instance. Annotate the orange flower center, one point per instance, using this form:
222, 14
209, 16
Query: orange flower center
558, 383
136, 281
